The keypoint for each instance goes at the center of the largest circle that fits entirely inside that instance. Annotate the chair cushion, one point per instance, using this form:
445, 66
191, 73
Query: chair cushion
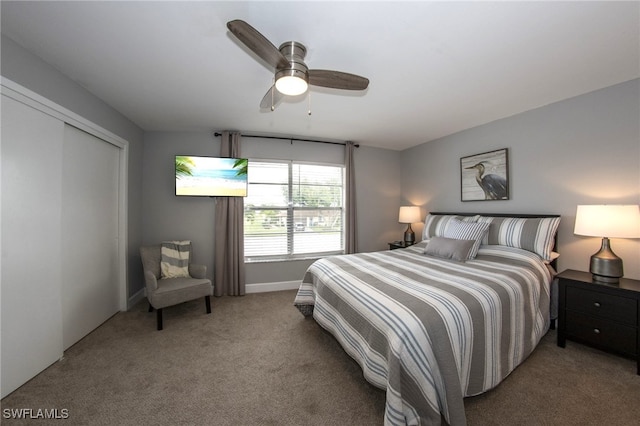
172, 291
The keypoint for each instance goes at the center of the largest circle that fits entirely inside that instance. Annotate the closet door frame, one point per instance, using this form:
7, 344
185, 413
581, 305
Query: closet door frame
38, 102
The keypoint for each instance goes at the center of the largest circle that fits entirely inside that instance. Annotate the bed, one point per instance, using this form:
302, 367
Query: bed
447, 318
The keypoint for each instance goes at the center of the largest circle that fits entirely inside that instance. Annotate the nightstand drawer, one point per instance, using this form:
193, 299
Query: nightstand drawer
611, 307
600, 332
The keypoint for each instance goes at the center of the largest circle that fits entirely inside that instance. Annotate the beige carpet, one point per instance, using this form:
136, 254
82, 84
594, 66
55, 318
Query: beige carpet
256, 361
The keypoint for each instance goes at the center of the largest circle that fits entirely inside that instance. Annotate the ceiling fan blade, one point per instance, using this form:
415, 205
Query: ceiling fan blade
337, 80
271, 99
258, 43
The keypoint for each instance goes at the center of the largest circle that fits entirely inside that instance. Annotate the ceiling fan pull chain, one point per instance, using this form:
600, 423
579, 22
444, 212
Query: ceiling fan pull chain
273, 87
309, 98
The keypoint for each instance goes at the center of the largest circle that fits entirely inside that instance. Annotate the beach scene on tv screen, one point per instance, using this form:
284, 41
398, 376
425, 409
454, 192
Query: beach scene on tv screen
211, 176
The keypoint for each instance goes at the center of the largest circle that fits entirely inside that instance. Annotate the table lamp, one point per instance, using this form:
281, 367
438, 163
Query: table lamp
409, 215
607, 221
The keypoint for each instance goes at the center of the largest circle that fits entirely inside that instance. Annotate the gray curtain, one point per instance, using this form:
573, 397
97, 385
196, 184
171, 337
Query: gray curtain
229, 273
351, 241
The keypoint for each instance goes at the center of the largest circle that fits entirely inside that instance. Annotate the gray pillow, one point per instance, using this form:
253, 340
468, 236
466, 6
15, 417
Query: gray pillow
467, 231
449, 248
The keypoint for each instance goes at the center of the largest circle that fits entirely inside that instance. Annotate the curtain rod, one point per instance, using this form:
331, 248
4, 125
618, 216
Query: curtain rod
290, 139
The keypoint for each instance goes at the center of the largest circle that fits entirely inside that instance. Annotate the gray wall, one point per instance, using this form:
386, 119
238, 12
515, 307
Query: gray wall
584, 150
167, 216
31, 72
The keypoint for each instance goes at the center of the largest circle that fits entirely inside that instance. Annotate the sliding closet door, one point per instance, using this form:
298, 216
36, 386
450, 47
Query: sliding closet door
90, 196
31, 159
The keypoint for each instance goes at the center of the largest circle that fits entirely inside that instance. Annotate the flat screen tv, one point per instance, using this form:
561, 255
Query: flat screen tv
211, 176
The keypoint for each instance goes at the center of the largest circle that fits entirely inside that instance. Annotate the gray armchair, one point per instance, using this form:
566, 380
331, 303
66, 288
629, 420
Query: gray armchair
165, 292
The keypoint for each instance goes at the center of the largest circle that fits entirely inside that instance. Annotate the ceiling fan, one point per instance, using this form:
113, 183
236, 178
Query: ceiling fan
292, 76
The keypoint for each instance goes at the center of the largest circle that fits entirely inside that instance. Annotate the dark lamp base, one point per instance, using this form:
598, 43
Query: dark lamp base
605, 280
605, 266
409, 236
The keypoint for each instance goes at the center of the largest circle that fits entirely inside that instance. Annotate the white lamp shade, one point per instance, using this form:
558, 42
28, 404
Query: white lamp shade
409, 214
291, 85
611, 221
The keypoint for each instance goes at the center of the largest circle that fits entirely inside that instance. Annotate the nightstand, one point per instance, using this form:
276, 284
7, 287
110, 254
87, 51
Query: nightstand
605, 316
398, 245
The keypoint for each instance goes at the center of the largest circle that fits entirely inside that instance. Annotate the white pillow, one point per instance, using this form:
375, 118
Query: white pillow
554, 255
467, 231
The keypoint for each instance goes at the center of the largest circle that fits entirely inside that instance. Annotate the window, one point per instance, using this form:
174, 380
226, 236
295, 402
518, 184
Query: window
293, 210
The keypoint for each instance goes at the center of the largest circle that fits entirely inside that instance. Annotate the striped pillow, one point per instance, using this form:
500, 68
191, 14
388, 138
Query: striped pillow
435, 224
174, 262
467, 231
532, 234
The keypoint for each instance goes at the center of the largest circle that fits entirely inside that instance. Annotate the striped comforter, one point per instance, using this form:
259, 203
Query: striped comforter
431, 331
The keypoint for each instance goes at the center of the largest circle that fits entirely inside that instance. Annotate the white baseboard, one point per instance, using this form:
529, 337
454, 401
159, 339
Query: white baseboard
249, 288
133, 300
276, 286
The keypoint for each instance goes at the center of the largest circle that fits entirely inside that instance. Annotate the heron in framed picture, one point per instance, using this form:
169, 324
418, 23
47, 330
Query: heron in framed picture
494, 186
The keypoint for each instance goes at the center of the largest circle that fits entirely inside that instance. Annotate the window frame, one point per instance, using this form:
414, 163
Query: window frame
291, 209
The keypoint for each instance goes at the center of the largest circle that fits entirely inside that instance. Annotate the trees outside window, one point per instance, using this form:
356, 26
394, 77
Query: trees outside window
293, 210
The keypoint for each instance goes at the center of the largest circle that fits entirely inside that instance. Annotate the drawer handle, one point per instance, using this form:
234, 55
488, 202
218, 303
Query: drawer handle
596, 331
596, 304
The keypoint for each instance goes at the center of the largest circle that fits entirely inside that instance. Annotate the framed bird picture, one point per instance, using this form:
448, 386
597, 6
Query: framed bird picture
485, 176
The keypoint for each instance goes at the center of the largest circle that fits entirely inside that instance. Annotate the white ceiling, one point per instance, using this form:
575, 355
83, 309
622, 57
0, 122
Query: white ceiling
435, 68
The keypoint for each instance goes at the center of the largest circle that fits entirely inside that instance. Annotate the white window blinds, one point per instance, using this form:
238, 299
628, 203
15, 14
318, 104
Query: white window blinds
293, 210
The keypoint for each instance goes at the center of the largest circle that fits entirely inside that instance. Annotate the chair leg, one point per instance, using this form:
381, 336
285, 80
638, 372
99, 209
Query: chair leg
207, 302
159, 317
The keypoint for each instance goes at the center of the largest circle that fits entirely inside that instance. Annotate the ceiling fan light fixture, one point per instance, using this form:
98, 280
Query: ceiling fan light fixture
292, 76
291, 85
